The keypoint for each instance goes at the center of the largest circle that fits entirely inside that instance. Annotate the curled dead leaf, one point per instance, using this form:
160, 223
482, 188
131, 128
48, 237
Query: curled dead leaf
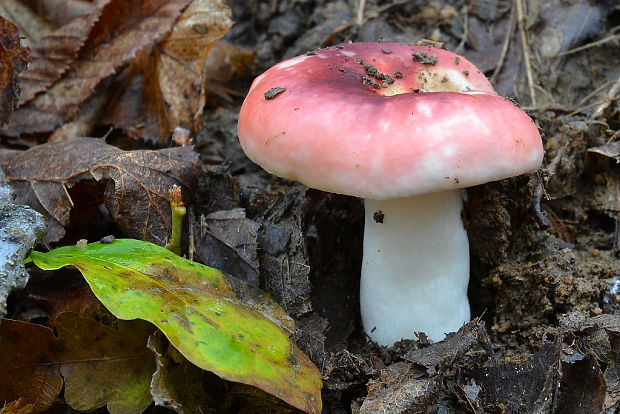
132, 184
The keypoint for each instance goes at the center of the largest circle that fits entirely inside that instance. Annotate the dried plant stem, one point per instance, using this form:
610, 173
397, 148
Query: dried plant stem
595, 92
461, 45
360, 12
589, 45
509, 33
611, 95
526, 50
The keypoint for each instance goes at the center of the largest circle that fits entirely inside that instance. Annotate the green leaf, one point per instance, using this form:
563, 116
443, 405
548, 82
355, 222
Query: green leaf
216, 321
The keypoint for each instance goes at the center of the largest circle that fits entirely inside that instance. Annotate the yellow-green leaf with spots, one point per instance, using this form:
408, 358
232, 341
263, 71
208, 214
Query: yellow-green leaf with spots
216, 321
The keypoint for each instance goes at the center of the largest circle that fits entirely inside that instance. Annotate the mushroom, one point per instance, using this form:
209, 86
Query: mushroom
406, 128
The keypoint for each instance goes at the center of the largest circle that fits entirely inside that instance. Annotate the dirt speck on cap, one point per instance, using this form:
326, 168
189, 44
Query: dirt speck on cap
378, 216
425, 58
271, 93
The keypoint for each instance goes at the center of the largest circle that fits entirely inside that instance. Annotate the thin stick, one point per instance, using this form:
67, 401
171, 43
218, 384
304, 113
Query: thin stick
594, 92
192, 246
589, 45
509, 33
461, 45
611, 95
578, 110
526, 50
360, 13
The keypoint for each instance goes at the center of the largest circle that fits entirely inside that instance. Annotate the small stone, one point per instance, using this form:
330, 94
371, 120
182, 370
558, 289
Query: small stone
107, 239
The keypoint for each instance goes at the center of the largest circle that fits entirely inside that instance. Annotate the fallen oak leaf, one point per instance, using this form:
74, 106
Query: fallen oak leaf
533, 380
136, 183
225, 63
105, 366
216, 321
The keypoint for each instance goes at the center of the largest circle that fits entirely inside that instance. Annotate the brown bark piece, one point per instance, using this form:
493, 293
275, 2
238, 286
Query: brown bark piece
13, 59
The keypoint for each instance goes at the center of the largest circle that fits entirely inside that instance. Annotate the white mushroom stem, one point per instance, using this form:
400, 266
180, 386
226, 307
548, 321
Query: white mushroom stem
415, 268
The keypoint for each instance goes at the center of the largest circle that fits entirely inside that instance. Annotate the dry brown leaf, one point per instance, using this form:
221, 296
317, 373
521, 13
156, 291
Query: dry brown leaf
133, 184
55, 53
13, 59
79, 300
167, 88
31, 26
124, 28
20, 406
227, 241
225, 63
61, 12
181, 58
27, 364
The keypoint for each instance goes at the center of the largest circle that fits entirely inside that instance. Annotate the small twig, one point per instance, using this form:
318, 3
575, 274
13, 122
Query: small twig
509, 33
549, 171
578, 110
489, 344
613, 138
611, 95
616, 245
541, 216
547, 94
589, 45
548, 107
526, 50
461, 46
594, 92
361, 4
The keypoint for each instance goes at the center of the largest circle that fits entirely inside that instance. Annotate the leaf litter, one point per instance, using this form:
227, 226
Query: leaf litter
133, 185
105, 366
531, 277
216, 321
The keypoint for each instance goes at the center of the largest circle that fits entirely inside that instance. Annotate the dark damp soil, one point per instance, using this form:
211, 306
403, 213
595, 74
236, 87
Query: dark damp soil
545, 266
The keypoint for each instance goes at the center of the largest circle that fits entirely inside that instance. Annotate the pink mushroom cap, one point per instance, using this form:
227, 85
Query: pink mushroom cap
332, 120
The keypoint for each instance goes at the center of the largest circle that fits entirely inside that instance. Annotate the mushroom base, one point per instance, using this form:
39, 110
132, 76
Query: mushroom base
415, 269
